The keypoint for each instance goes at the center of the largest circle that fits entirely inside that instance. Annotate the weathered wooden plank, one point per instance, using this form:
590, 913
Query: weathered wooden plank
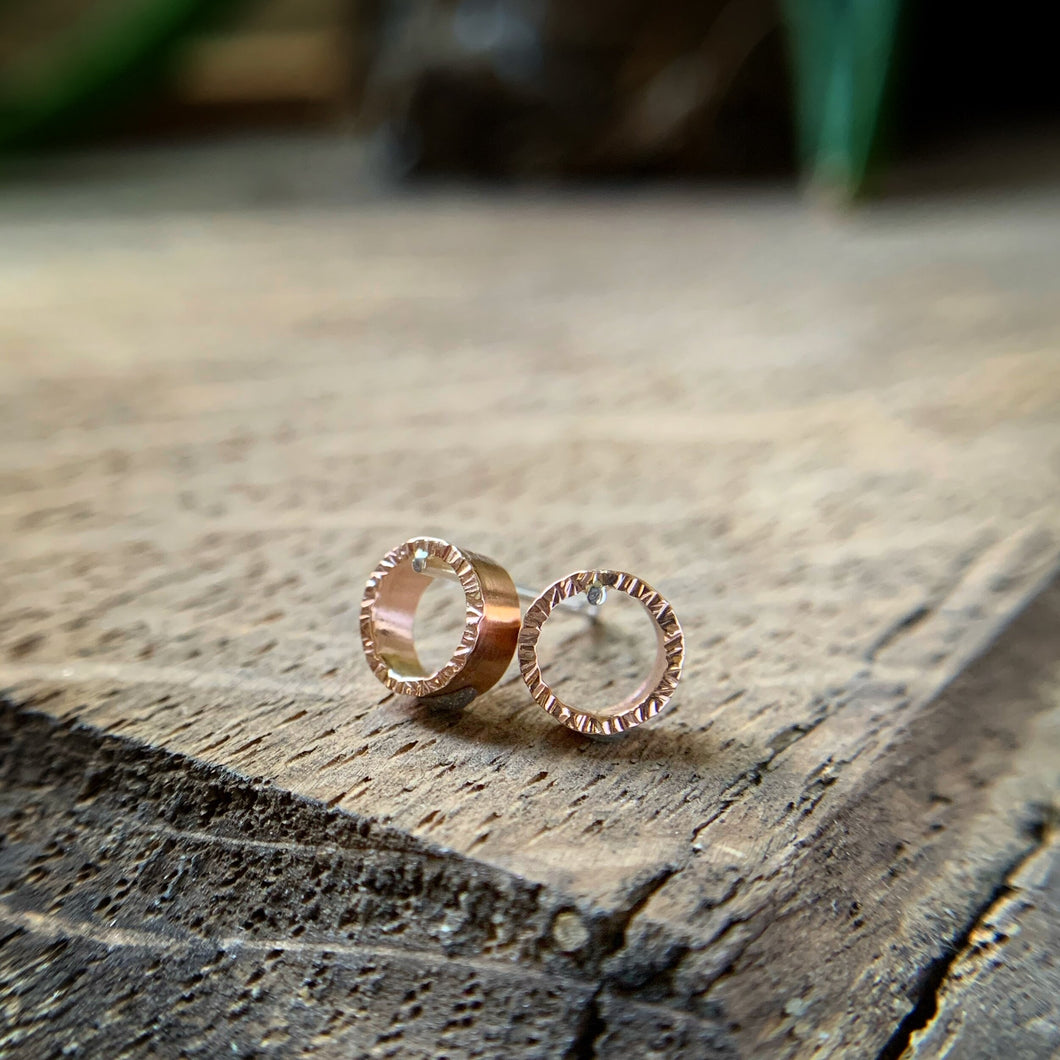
1001, 995
150, 899
833, 447
146, 897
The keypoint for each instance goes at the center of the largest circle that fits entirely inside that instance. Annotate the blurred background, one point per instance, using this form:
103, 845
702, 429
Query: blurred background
754, 298
833, 92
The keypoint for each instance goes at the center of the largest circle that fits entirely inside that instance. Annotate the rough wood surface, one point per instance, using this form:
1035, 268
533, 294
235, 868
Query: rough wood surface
1001, 997
832, 444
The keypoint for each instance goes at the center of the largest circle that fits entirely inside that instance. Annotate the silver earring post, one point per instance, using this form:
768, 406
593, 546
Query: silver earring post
588, 605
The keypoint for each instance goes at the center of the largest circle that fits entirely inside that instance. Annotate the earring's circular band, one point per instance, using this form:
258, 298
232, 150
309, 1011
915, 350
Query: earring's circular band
655, 691
388, 611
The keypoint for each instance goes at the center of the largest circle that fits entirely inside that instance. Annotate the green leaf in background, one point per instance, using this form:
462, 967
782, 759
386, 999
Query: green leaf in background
843, 52
93, 61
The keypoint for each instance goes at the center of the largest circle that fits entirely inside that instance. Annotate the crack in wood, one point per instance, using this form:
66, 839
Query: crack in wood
902, 626
925, 994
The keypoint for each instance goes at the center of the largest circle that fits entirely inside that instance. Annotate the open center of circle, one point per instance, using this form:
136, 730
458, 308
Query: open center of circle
596, 667
438, 626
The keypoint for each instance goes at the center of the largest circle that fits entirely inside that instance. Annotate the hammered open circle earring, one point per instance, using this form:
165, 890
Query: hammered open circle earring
388, 611
654, 692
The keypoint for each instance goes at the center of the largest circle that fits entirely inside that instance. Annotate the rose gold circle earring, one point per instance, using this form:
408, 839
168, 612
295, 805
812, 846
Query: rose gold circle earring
388, 610
655, 691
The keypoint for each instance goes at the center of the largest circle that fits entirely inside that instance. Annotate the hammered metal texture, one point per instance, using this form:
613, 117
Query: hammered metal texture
627, 714
440, 680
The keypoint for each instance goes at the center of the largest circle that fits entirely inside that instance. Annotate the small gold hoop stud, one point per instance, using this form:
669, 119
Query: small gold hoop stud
388, 611
655, 691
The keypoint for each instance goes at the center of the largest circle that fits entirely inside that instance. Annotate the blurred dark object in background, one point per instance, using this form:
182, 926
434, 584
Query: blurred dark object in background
535, 88
582, 87
480, 87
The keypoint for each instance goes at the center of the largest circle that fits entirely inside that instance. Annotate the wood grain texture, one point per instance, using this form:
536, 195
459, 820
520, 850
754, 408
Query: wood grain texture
833, 445
1001, 996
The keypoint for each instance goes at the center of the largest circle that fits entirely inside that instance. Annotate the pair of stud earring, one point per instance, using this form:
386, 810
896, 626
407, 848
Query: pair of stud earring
494, 631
